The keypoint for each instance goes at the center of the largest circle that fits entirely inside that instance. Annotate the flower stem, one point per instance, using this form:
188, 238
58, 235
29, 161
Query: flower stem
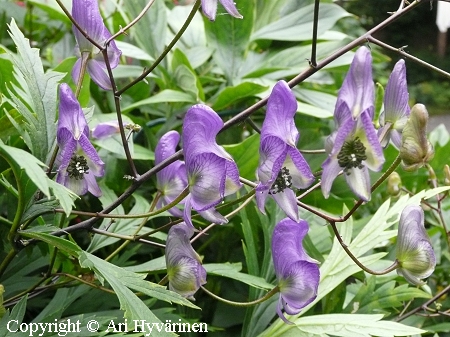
243, 304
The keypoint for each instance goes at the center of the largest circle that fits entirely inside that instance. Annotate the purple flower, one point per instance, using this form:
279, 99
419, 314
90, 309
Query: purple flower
297, 274
212, 173
79, 162
87, 14
172, 179
396, 107
184, 266
106, 129
414, 251
209, 8
281, 164
354, 147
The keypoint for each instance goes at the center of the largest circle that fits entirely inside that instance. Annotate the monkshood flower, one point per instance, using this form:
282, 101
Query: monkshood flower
106, 129
87, 14
172, 179
281, 165
184, 267
416, 150
396, 107
414, 251
79, 162
209, 8
354, 147
212, 173
297, 274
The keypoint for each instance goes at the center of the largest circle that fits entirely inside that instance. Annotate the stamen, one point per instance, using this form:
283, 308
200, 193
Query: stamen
352, 154
283, 181
77, 167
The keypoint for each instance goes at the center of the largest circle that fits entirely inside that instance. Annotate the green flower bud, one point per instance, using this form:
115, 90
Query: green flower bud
416, 149
414, 251
394, 184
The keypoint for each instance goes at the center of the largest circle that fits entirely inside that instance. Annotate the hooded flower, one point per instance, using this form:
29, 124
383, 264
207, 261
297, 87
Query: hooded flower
172, 179
79, 162
184, 266
297, 274
396, 107
416, 150
106, 129
354, 147
212, 173
209, 8
414, 251
281, 165
87, 14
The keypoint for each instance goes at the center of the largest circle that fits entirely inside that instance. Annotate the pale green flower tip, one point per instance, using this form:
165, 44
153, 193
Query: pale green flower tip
416, 150
394, 184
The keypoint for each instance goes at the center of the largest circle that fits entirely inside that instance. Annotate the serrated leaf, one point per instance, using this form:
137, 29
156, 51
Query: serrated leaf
128, 279
37, 101
233, 271
60, 243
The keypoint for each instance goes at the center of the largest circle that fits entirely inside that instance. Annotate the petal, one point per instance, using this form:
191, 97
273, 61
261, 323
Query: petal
106, 129
206, 180
87, 14
396, 95
301, 174
396, 138
97, 71
213, 216
66, 151
331, 170
209, 8
96, 165
288, 203
166, 146
92, 184
71, 116
358, 88
230, 7
163, 201
114, 53
272, 154
279, 120
76, 71
232, 183
262, 191
368, 136
78, 186
359, 182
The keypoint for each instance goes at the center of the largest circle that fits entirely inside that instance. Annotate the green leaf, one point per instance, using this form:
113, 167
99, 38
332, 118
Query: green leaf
231, 95
369, 299
37, 98
230, 37
65, 196
17, 314
23, 160
297, 26
122, 281
348, 325
244, 156
60, 243
233, 271
165, 96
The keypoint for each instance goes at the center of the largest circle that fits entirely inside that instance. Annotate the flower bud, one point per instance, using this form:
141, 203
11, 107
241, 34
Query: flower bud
416, 149
447, 175
414, 253
394, 184
184, 269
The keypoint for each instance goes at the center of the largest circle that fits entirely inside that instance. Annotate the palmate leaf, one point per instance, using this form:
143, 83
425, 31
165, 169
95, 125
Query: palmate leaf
369, 299
36, 100
338, 266
121, 280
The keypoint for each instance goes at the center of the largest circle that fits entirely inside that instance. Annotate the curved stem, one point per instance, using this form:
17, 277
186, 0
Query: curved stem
394, 266
165, 52
243, 304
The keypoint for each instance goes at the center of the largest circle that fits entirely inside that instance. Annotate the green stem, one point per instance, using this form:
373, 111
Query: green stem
84, 60
7, 260
243, 304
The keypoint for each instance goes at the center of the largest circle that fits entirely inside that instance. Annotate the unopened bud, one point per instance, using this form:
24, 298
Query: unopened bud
414, 251
394, 184
447, 175
416, 149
